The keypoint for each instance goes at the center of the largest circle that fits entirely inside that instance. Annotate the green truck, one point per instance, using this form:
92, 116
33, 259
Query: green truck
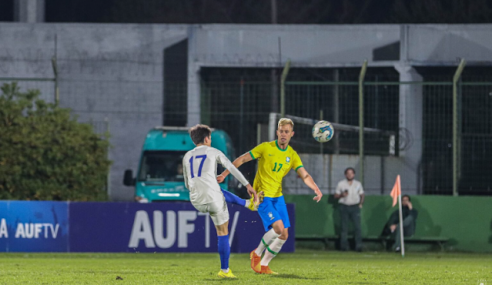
160, 171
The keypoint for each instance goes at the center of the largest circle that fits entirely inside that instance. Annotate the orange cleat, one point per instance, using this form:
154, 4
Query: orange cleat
267, 270
255, 261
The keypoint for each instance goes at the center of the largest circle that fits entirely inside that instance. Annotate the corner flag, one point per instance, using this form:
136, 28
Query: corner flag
396, 191
396, 195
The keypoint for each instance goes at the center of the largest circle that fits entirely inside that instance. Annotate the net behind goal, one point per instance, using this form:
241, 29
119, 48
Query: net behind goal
345, 141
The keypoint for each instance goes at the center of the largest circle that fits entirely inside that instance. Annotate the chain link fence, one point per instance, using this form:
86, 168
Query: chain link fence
475, 142
243, 109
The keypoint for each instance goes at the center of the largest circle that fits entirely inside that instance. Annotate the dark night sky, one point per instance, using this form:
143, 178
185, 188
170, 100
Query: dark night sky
6, 10
256, 11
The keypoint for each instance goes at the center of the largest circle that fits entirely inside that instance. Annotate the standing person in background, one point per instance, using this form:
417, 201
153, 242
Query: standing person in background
351, 198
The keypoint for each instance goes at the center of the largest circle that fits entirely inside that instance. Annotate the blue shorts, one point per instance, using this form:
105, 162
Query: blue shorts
272, 210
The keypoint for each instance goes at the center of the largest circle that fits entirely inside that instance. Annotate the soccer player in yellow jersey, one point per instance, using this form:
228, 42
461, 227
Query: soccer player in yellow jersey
275, 160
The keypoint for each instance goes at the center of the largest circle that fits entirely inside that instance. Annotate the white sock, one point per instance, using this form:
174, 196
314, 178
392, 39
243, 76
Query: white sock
247, 203
225, 270
266, 240
275, 246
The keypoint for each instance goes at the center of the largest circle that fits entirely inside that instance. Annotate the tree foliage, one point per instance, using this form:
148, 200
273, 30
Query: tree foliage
45, 154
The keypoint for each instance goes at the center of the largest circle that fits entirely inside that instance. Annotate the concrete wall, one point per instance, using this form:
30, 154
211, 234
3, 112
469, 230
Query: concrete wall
106, 71
446, 44
304, 45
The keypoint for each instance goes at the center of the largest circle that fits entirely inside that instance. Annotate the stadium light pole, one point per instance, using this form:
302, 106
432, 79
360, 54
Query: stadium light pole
456, 129
362, 75
108, 178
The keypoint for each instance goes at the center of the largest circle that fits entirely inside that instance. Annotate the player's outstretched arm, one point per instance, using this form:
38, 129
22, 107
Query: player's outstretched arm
237, 162
308, 180
230, 167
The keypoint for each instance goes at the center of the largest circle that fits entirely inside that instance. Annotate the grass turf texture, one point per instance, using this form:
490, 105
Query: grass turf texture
303, 267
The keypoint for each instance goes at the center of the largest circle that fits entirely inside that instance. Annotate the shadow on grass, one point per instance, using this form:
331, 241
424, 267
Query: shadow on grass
293, 276
221, 280
283, 276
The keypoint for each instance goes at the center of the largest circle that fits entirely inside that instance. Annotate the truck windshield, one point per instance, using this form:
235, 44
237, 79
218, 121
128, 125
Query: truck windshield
162, 166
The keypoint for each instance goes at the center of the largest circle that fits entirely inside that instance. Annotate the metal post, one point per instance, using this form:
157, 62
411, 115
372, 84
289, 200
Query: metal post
402, 237
336, 105
29, 11
376, 105
258, 134
456, 78
108, 179
285, 72
273, 3
241, 112
55, 71
321, 145
361, 120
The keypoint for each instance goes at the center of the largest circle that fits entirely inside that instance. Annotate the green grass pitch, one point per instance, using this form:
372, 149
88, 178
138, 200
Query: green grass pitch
302, 267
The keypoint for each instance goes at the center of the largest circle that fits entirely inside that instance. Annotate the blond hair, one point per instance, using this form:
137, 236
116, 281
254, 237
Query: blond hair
285, 121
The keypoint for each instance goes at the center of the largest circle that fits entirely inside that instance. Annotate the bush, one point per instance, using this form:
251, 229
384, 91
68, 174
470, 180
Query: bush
45, 154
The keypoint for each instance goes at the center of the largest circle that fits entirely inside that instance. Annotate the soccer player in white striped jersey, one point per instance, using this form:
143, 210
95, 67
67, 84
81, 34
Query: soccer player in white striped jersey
200, 172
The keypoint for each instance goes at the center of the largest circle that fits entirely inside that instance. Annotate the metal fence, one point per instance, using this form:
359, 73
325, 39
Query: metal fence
456, 127
475, 136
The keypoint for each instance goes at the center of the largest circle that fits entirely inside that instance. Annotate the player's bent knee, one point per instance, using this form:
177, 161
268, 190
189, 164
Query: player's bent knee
278, 231
278, 227
223, 230
284, 235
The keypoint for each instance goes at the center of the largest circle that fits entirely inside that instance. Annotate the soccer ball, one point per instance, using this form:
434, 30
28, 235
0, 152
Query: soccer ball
323, 131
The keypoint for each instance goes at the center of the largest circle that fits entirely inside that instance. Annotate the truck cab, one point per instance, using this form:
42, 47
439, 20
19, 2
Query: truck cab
160, 171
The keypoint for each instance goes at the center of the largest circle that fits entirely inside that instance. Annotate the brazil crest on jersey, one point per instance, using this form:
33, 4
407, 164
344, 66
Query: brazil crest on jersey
273, 164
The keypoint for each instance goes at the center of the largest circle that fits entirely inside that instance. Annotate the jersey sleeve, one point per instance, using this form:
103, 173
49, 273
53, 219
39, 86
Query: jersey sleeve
185, 172
296, 162
222, 159
257, 152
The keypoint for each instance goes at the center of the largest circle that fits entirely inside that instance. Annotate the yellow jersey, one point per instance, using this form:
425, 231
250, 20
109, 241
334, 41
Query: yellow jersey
273, 164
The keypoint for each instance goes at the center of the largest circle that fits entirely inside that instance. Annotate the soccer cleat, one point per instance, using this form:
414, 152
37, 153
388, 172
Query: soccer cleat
255, 261
229, 274
267, 270
253, 205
